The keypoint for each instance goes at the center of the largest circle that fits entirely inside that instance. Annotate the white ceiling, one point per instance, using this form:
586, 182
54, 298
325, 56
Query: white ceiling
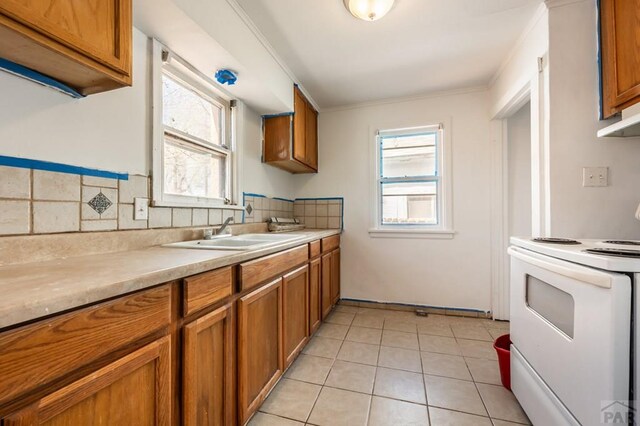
421, 46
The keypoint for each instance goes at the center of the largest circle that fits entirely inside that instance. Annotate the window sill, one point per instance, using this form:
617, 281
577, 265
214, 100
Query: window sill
436, 234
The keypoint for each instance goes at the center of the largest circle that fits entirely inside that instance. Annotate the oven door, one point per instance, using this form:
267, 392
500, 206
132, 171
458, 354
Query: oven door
571, 324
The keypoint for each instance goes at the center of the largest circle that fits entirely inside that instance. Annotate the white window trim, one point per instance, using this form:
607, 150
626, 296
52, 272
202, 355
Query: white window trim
444, 229
182, 70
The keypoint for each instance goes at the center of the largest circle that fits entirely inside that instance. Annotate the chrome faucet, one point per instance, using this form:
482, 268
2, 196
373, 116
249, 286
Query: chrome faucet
224, 226
210, 232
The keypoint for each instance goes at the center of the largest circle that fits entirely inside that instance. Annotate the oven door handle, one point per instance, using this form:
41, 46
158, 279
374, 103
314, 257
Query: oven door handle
586, 275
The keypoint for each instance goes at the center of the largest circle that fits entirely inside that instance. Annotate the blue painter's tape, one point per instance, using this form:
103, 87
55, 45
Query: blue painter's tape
25, 163
283, 199
282, 114
36, 77
479, 311
249, 194
321, 198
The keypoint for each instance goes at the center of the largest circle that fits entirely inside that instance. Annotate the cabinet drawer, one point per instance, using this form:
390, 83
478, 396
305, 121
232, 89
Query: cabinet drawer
314, 249
37, 354
256, 271
206, 289
330, 243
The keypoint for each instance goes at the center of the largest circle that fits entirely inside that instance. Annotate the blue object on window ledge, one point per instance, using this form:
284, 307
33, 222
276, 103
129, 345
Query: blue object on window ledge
29, 74
226, 77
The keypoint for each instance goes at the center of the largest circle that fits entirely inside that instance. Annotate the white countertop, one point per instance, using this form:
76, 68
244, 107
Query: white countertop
33, 290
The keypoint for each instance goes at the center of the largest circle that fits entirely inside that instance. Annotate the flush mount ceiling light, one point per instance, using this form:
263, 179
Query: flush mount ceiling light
368, 10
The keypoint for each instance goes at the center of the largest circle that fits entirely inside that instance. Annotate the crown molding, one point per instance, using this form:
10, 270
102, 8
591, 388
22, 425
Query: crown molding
540, 12
558, 3
265, 43
387, 101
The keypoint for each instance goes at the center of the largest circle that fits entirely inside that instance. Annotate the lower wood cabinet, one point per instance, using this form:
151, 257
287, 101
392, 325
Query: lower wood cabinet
295, 311
260, 354
325, 288
335, 276
315, 305
134, 390
192, 351
208, 379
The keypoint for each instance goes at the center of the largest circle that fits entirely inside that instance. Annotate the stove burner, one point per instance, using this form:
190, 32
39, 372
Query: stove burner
623, 242
556, 241
614, 252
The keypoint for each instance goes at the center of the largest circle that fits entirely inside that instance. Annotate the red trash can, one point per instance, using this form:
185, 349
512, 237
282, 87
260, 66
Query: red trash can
502, 346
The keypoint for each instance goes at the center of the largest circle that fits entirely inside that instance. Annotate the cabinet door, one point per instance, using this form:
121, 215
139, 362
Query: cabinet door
311, 140
299, 127
208, 369
326, 285
100, 30
276, 145
620, 31
335, 276
295, 310
315, 306
134, 390
260, 352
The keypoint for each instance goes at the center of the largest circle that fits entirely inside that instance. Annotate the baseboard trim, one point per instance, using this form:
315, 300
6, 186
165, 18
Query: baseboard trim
429, 309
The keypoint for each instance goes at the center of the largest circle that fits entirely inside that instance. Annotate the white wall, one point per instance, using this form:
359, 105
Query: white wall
109, 131
577, 211
453, 273
213, 34
519, 171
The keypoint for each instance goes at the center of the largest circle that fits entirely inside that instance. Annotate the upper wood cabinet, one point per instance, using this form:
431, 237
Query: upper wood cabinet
84, 44
620, 54
290, 142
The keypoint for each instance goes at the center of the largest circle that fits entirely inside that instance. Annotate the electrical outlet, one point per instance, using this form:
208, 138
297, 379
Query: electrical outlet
140, 208
595, 176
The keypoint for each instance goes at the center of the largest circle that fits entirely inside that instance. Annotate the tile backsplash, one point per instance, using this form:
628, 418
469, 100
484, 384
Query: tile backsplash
259, 208
320, 213
34, 201
43, 202
317, 213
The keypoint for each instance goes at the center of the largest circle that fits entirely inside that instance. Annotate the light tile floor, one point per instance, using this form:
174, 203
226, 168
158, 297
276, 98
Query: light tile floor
391, 368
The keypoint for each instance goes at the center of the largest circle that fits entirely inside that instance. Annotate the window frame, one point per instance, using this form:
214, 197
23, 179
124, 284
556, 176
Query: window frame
166, 62
444, 228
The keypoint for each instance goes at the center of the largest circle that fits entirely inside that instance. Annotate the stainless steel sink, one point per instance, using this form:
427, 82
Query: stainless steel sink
239, 242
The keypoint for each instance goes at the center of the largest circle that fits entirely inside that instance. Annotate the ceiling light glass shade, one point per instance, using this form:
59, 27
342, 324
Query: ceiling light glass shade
369, 10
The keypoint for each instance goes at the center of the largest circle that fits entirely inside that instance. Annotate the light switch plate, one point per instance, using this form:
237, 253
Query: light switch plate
140, 208
638, 213
595, 176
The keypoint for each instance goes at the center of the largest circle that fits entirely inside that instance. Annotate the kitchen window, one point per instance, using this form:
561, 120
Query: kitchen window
193, 153
410, 184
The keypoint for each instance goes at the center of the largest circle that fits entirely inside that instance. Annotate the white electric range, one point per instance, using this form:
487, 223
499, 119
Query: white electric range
574, 340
